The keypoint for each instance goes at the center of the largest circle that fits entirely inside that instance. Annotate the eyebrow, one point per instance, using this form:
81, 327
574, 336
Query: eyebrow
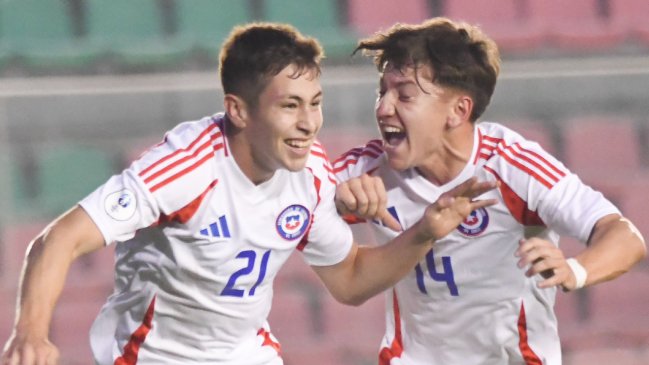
299, 99
399, 83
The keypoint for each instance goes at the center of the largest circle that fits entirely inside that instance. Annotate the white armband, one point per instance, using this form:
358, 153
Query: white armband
579, 271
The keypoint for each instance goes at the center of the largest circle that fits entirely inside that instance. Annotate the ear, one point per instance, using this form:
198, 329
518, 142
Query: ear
236, 109
462, 109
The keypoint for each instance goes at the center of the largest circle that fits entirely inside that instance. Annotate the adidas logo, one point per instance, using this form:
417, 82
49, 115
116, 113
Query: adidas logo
217, 229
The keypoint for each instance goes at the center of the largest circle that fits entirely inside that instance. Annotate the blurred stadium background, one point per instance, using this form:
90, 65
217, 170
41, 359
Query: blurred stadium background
86, 85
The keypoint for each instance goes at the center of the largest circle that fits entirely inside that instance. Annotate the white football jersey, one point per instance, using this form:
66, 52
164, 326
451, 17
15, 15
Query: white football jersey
198, 247
467, 302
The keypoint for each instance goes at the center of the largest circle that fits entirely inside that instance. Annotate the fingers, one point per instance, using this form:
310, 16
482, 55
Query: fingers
472, 188
389, 221
483, 203
462, 188
345, 200
544, 258
30, 353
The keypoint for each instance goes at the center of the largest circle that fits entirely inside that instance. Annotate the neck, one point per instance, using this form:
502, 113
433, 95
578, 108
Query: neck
244, 157
454, 154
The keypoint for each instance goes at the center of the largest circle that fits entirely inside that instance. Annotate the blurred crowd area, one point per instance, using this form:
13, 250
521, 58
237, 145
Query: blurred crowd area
87, 85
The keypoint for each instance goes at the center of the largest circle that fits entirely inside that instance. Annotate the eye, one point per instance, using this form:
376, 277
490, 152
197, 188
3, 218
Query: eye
407, 93
316, 103
290, 106
405, 97
380, 92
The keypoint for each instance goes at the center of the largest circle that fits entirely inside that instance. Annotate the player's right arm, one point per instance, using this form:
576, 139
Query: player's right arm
46, 264
367, 271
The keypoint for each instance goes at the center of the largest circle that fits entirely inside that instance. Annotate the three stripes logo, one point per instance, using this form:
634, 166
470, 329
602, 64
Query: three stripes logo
217, 229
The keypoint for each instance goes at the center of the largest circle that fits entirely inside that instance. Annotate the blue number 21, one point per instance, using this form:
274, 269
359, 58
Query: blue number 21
250, 255
444, 276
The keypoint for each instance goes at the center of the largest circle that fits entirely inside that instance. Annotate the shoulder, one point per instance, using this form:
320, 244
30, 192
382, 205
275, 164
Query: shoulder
181, 159
359, 159
319, 165
515, 160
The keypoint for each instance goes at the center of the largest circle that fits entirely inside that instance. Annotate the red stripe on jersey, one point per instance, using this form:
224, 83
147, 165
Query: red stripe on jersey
305, 239
516, 205
528, 354
485, 150
531, 161
375, 145
185, 213
319, 154
482, 155
546, 162
396, 348
132, 347
268, 341
177, 162
352, 219
526, 169
353, 160
492, 139
180, 150
182, 172
325, 164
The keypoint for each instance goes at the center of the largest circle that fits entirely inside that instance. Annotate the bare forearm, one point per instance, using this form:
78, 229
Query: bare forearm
372, 270
614, 248
41, 284
46, 266
381, 269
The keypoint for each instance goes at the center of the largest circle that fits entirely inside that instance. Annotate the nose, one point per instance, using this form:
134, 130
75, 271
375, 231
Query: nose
310, 120
384, 106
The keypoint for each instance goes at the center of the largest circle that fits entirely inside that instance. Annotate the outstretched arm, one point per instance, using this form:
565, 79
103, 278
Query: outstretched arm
615, 245
45, 268
369, 270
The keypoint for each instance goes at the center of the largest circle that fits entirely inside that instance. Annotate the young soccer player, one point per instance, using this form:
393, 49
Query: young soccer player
484, 294
204, 220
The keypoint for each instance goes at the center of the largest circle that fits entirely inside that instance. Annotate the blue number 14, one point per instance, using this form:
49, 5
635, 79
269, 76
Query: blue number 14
444, 276
250, 255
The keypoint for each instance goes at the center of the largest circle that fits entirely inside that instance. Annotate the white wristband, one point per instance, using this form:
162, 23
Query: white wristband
579, 271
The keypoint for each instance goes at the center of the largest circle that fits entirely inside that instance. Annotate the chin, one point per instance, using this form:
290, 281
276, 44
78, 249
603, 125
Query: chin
295, 166
398, 165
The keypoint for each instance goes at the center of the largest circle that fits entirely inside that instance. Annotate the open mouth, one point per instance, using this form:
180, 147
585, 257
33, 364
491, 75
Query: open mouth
392, 135
298, 143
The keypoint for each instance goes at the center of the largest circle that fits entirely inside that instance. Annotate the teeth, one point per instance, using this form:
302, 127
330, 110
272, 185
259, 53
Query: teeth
390, 129
297, 144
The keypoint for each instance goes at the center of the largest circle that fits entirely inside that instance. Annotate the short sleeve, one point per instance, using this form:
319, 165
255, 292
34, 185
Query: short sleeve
121, 206
572, 208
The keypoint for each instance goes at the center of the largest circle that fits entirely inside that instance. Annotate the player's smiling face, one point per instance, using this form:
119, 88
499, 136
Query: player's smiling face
286, 120
412, 115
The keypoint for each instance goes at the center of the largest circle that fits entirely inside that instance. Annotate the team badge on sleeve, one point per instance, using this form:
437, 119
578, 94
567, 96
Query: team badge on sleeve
475, 223
292, 222
120, 205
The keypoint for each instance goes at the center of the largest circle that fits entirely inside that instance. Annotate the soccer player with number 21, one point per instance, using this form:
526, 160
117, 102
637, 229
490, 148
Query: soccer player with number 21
204, 220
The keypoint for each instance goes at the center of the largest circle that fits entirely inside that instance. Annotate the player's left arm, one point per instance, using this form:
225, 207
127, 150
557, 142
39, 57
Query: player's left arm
614, 246
367, 271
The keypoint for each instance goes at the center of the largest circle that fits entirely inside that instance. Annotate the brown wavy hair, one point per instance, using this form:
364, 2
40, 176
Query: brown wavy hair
460, 54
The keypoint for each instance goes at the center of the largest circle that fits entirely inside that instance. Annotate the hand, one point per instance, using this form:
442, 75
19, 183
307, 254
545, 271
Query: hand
545, 258
365, 197
453, 207
27, 351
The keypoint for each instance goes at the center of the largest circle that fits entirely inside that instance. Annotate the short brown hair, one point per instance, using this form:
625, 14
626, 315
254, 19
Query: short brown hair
254, 53
460, 54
